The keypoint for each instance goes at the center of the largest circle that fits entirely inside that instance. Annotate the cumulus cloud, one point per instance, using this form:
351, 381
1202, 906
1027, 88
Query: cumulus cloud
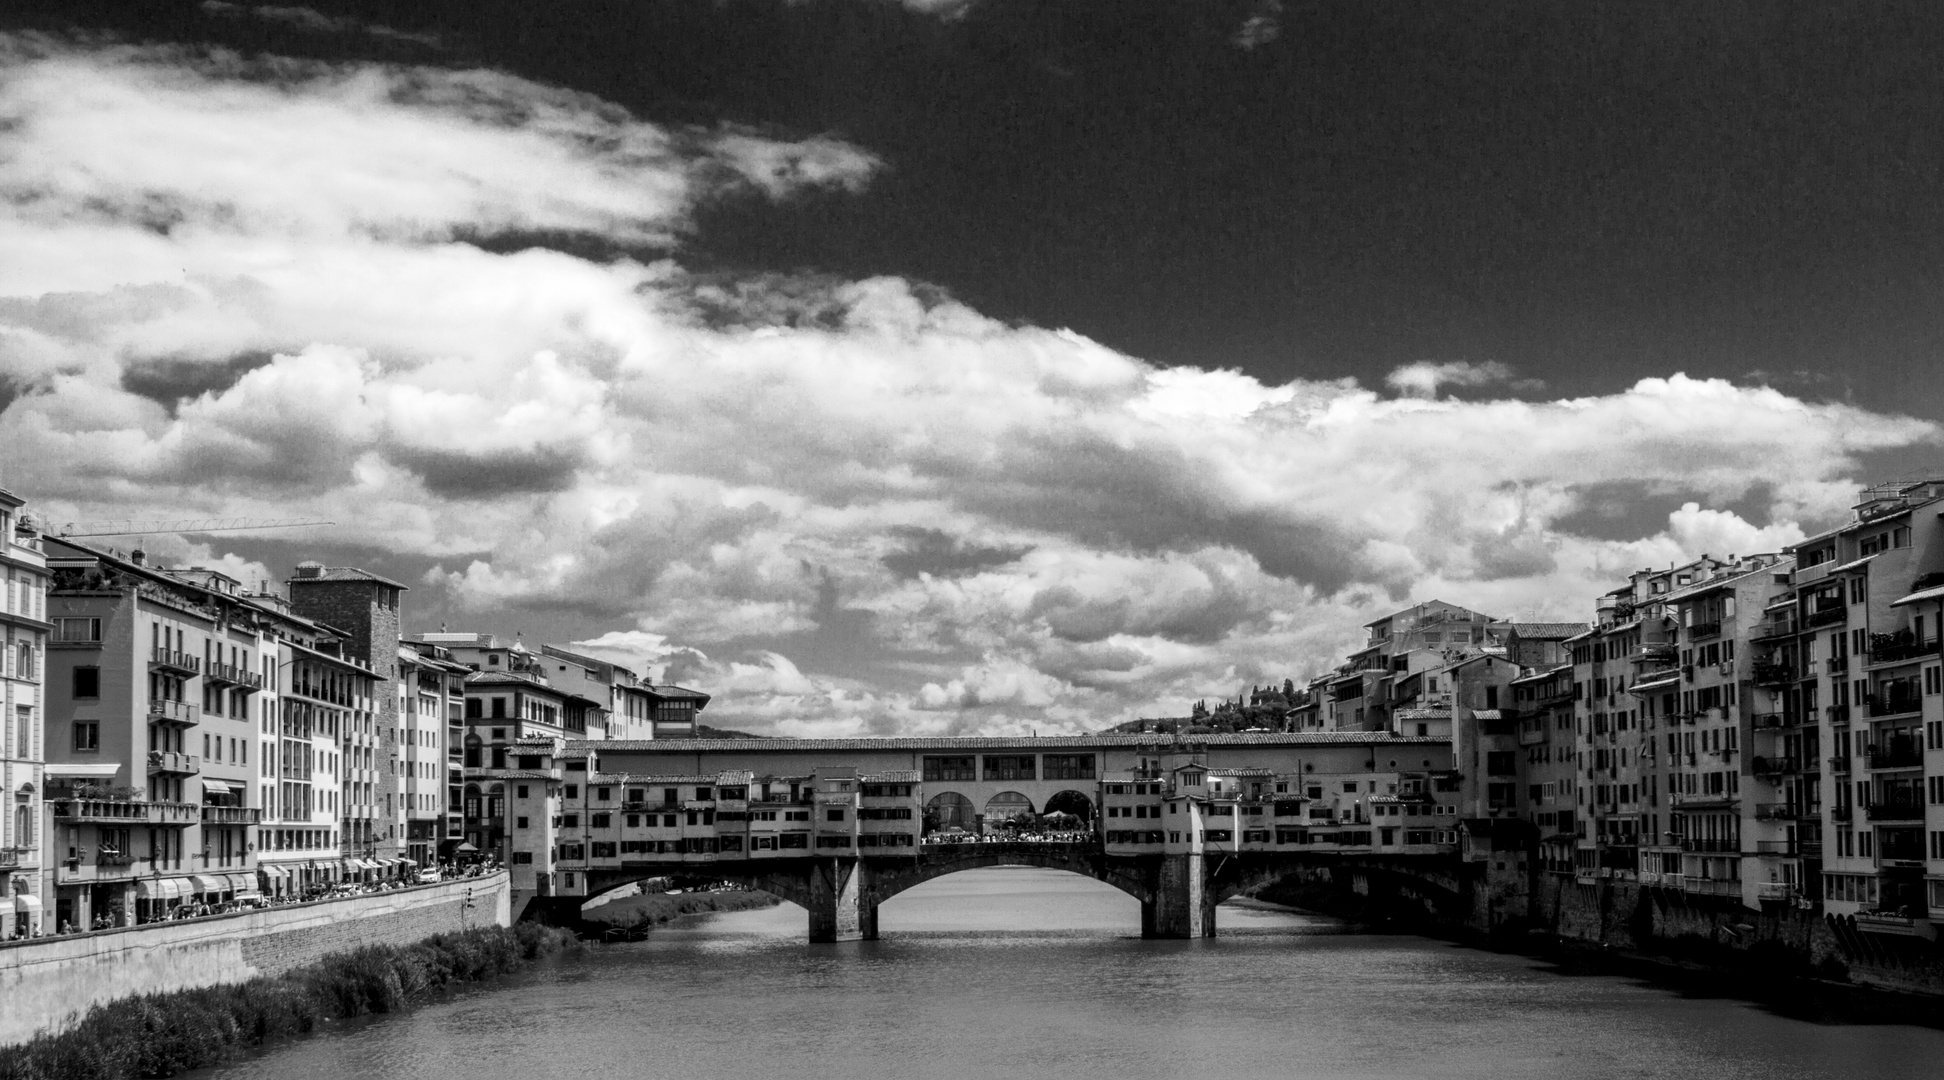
245, 288
1425, 379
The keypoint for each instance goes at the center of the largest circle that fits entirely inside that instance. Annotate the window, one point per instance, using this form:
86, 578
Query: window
833, 815
520, 791
77, 629
1069, 766
1010, 766
601, 821
87, 735
519, 823
950, 768
87, 682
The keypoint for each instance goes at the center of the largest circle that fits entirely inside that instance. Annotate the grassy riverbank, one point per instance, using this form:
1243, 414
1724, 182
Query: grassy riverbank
163, 1034
645, 910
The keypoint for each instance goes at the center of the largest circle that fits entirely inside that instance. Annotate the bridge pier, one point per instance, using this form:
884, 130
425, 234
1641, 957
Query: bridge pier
841, 907
1183, 904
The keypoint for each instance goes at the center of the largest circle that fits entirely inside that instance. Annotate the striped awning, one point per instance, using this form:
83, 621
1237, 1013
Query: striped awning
274, 873
158, 888
202, 883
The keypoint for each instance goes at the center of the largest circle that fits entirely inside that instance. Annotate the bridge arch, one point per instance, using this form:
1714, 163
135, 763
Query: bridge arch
950, 810
1077, 803
1007, 806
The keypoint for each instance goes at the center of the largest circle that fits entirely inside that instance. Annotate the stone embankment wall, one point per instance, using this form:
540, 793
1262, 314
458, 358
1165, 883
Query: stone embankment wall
46, 983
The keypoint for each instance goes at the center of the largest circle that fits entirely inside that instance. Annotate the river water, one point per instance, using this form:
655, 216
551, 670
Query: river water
1018, 972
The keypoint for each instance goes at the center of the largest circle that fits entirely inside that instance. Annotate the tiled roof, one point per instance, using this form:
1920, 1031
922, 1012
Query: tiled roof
348, 573
1423, 714
1936, 592
1101, 741
1548, 631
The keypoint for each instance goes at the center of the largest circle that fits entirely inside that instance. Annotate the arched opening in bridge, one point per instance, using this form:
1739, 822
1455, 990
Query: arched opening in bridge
1008, 811
1073, 808
948, 811
1010, 899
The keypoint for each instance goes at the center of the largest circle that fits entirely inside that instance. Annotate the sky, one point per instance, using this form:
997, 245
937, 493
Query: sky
960, 367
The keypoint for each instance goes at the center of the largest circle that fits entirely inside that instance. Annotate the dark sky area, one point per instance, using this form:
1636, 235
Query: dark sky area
1587, 192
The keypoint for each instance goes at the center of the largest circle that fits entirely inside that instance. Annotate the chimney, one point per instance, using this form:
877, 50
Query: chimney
309, 569
138, 557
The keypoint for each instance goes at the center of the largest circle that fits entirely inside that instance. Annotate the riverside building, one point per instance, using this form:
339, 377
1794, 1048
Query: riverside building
25, 626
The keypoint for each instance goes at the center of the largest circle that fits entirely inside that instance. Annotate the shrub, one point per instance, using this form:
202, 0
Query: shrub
159, 1035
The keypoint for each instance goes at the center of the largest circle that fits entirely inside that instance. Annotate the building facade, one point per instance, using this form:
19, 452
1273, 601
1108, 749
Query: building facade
24, 623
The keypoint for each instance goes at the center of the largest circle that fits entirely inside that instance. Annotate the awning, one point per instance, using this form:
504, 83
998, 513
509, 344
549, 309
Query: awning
202, 883
230, 787
158, 888
27, 905
90, 770
409, 862
244, 884
274, 873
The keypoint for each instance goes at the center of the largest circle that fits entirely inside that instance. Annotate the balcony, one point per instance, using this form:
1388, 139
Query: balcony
1894, 704
1776, 766
1787, 847
163, 711
1827, 616
1896, 810
1710, 886
1712, 847
122, 812
1704, 630
1896, 648
232, 815
1780, 811
1715, 799
1840, 764
1770, 673
1903, 755
168, 761
175, 663
1877, 922
1773, 720
1840, 813
1774, 628
1836, 665
1776, 890
1837, 714
232, 675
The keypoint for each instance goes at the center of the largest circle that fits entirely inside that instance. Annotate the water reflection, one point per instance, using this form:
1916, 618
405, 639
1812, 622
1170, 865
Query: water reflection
1021, 972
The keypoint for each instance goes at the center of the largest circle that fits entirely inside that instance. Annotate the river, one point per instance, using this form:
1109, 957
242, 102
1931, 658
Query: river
1018, 972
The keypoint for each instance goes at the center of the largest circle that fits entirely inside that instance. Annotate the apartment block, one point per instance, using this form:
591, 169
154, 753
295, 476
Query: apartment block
23, 620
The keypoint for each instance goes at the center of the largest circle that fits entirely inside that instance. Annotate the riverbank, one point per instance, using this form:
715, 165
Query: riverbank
1778, 979
159, 1035
644, 911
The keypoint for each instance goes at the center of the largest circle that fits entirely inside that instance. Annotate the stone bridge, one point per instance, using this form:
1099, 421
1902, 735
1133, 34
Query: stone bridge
1178, 892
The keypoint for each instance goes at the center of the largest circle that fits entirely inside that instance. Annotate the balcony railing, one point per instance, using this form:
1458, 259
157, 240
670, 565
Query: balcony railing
1837, 714
120, 812
164, 711
1718, 847
1788, 847
1774, 628
1836, 665
233, 675
1704, 629
1773, 766
1894, 704
1775, 890
1779, 811
1840, 763
1773, 720
169, 761
1710, 886
1769, 673
181, 663
1716, 798
1827, 616
1909, 756
1893, 648
232, 815
1896, 810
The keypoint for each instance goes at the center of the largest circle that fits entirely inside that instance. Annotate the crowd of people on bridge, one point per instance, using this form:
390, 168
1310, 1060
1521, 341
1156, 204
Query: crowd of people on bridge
1061, 836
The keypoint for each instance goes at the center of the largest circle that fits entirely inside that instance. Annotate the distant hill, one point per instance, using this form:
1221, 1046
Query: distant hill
704, 731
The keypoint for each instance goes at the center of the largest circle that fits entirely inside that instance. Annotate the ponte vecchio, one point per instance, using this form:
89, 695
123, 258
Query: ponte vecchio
841, 825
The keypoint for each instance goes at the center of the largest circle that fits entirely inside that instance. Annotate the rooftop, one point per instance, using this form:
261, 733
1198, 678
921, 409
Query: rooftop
1102, 741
